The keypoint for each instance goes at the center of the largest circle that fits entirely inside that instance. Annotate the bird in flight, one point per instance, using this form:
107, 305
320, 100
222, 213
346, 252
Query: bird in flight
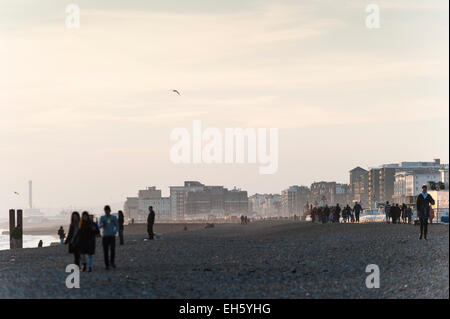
176, 91
16, 193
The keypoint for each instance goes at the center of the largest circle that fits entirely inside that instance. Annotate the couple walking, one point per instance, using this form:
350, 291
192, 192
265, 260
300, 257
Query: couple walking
82, 237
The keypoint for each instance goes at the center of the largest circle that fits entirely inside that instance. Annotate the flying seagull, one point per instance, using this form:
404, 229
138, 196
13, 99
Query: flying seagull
16, 193
176, 91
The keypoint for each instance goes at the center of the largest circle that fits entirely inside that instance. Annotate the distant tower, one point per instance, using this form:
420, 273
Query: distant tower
30, 194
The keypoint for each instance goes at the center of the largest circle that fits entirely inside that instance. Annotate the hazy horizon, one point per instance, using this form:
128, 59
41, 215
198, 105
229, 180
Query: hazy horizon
87, 113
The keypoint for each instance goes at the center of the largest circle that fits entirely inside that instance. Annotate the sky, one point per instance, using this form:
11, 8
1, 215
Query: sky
87, 113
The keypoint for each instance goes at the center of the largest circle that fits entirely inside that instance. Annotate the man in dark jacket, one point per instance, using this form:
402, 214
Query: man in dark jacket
357, 209
150, 222
424, 202
61, 235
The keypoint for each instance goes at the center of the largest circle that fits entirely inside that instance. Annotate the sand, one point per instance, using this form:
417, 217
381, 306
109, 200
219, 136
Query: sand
269, 259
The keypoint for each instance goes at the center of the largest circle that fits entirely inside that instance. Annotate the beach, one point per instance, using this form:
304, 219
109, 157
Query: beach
266, 259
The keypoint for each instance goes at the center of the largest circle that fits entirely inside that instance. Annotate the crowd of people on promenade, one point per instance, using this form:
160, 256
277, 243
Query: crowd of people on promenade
395, 214
336, 214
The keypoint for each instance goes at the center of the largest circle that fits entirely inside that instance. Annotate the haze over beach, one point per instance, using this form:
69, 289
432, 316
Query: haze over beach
87, 113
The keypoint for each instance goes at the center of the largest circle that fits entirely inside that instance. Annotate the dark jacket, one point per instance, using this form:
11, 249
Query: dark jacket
121, 221
357, 209
72, 239
151, 218
424, 205
86, 240
61, 233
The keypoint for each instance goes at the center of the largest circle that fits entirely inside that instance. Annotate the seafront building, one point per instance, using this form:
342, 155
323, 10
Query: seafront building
394, 182
193, 200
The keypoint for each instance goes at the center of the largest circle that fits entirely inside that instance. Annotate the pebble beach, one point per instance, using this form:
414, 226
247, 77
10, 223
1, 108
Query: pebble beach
266, 259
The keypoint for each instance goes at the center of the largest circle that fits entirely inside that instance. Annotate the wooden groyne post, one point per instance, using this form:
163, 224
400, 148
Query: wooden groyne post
15, 221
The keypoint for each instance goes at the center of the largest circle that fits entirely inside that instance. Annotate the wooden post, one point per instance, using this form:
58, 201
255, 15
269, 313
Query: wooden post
19, 222
12, 224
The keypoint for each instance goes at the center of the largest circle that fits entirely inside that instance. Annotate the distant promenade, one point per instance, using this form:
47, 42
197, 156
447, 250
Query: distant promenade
267, 259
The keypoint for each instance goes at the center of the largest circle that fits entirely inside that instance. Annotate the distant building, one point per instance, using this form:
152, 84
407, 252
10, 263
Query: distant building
373, 187
388, 182
294, 200
359, 190
444, 175
196, 200
409, 183
137, 207
265, 205
178, 195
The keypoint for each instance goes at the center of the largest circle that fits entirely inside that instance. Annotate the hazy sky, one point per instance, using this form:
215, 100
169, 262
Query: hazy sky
87, 113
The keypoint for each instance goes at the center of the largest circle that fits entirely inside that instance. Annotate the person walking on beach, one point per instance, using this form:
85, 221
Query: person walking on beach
40, 244
150, 222
409, 214
337, 211
326, 211
387, 211
424, 202
87, 241
404, 213
121, 222
110, 225
72, 237
61, 235
395, 214
357, 209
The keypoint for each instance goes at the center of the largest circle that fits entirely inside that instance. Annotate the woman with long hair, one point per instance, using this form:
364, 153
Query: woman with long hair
73, 237
87, 241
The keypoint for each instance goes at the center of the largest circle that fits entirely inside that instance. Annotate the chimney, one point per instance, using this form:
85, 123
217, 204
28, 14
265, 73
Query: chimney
30, 194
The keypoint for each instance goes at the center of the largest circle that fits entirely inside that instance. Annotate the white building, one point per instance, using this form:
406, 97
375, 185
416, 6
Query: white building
161, 207
409, 183
136, 208
178, 196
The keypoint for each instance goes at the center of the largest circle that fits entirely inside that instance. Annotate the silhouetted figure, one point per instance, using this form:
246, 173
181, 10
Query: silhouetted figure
110, 225
409, 214
242, 219
395, 214
387, 211
337, 211
73, 237
357, 210
40, 244
61, 235
87, 235
404, 213
150, 223
121, 227
424, 202
326, 212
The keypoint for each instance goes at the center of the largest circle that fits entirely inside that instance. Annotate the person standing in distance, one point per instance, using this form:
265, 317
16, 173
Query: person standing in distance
150, 222
110, 225
424, 202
